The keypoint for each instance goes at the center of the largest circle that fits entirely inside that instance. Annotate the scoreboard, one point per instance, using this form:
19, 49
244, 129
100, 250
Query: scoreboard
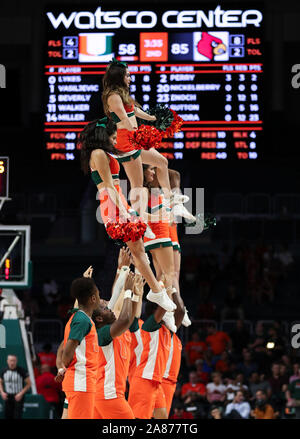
206, 64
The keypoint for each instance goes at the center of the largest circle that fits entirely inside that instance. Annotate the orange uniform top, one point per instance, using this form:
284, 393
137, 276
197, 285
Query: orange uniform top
174, 360
113, 364
157, 342
136, 346
81, 373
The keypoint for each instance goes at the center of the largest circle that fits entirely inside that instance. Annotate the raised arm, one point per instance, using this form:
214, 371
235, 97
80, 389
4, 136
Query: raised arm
142, 115
179, 311
124, 320
138, 291
124, 261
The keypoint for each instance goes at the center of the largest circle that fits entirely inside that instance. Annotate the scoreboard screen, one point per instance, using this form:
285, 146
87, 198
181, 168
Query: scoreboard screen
206, 64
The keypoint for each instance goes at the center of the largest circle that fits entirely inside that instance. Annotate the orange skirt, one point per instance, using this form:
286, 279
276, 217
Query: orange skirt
109, 211
123, 144
116, 228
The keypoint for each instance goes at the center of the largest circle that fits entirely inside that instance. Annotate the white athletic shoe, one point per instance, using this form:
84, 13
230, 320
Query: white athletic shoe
186, 320
181, 210
169, 321
180, 198
162, 299
149, 234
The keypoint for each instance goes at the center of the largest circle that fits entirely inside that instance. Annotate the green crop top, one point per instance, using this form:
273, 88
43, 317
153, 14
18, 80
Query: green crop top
116, 119
97, 179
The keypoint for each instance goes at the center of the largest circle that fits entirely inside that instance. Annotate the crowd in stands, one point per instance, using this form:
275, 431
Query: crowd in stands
224, 375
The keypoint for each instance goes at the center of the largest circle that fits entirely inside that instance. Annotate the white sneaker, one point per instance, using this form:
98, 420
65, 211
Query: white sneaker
186, 320
162, 299
180, 198
149, 234
169, 321
181, 210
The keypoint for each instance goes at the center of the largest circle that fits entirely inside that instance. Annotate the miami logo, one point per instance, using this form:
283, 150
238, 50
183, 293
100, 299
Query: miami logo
95, 47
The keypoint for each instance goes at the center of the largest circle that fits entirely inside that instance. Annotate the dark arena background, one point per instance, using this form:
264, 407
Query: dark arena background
239, 142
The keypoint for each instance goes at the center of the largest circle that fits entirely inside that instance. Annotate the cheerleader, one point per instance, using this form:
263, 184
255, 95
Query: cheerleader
122, 108
169, 238
97, 142
160, 247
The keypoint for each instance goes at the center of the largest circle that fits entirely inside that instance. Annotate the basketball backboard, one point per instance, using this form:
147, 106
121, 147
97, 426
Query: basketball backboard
15, 263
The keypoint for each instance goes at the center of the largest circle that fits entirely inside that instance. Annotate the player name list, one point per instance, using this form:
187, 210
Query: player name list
219, 103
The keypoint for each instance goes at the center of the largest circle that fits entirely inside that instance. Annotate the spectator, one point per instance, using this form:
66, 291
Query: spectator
292, 395
180, 413
240, 337
277, 383
50, 292
247, 366
194, 349
216, 390
14, 383
233, 384
218, 341
48, 357
49, 388
296, 372
275, 344
286, 360
216, 412
232, 305
257, 382
258, 347
262, 409
203, 377
239, 408
240, 381
208, 361
222, 365
283, 372
193, 390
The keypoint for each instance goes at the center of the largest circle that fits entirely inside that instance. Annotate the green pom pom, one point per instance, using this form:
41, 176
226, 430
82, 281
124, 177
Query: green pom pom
209, 221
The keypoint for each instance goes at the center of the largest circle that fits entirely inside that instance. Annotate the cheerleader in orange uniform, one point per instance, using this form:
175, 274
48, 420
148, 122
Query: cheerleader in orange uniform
96, 142
168, 233
122, 109
160, 247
